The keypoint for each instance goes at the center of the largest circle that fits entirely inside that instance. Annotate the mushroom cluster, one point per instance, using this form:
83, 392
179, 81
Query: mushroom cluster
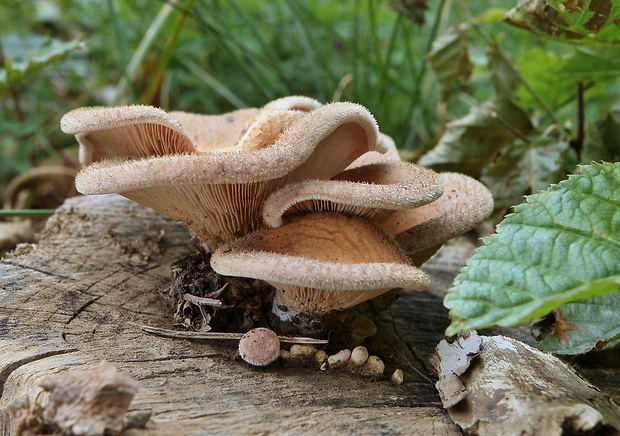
310, 198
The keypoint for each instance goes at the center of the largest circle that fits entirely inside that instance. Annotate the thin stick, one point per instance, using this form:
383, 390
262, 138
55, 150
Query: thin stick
225, 336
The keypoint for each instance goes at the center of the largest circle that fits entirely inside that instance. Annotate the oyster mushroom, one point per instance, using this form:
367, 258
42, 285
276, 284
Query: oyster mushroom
464, 204
320, 263
147, 156
390, 155
373, 191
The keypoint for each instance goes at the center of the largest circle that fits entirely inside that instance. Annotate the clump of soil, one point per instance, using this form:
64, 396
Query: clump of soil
245, 303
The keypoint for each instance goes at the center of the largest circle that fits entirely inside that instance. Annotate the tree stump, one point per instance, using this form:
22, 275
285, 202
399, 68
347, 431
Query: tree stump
80, 294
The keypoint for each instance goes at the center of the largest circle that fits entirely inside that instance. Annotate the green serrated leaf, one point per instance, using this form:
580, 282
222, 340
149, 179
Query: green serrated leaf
585, 22
582, 325
563, 245
449, 59
48, 52
469, 143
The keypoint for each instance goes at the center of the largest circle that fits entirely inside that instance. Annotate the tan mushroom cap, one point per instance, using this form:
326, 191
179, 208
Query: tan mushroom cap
391, 154
127, 131
211, 132
220, 195
372, 191
321, 262
292, 103
259, 347
464, 204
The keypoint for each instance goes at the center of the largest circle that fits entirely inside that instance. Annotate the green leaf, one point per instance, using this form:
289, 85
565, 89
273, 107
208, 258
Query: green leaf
523, 168
449, 59
544, 72
581, 325
469, 143
504, 74
48, 52
563, 245
602, 140
588, 22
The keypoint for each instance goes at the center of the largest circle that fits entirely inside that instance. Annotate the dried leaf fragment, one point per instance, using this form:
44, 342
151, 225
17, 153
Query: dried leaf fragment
512, 388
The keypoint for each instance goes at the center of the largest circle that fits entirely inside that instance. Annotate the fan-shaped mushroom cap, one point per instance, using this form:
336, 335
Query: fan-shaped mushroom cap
220, 194
373, 191
127, 131
321, 262
372, 157
211, 132
292, 103
141, 131
464, 204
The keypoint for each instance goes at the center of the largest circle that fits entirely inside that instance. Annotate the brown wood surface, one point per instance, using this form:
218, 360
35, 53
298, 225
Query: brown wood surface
79, 295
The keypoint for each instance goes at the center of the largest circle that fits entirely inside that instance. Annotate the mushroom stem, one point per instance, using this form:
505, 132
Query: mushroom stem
225, 336
302, 322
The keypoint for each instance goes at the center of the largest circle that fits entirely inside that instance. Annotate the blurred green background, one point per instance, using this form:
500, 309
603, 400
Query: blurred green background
456, 85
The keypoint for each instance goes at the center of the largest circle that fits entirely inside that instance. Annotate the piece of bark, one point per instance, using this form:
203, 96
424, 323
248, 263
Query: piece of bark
499, 385
80, 402
80, 294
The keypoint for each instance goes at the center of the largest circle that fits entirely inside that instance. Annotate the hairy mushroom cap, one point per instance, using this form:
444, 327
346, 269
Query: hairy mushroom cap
292, 103
373, 191
212, 132
126, 131
464, 204
219, 194
259, 347
321, 262
391, 154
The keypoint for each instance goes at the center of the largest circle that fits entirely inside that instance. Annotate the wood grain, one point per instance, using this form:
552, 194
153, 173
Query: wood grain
79, 295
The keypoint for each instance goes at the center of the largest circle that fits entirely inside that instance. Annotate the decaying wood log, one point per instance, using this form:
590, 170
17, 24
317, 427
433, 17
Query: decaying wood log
80, 294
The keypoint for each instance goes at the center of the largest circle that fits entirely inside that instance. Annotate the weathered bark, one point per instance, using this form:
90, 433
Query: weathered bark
80, 295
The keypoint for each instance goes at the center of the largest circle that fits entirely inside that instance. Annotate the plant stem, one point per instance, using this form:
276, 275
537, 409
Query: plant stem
577, 143
408, 144
167, 53
26, 213
140, 53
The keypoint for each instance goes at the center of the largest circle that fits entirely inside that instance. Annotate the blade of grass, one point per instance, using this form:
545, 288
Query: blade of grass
139, 54
215, 84
421, 75
312, 50
167, 53
246, 60
387, 63
359, 79
359, 51
26, 213
258, 35
121, 41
